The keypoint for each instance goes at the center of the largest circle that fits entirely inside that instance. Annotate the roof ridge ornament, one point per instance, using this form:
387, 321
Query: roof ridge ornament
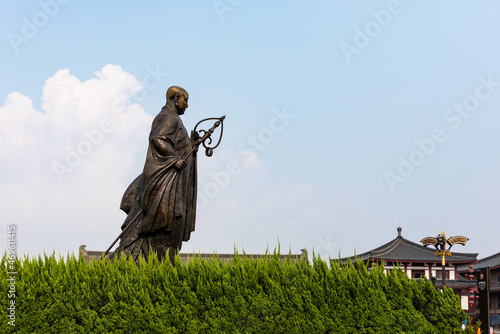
399, 232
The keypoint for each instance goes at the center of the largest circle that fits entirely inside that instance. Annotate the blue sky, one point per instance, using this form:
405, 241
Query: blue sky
344, 120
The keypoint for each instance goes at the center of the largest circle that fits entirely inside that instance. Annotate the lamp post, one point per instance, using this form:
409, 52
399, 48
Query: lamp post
440, 243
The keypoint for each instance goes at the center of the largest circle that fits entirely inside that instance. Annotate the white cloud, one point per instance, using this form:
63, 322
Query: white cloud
64, 169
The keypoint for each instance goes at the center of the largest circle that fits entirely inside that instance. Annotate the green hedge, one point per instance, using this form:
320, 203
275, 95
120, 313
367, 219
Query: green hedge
246, 296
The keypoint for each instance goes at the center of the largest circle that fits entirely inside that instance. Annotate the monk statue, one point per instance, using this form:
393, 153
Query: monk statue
161, 202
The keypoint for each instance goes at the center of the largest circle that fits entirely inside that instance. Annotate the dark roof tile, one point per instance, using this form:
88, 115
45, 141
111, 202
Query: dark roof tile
401, 249
492, 261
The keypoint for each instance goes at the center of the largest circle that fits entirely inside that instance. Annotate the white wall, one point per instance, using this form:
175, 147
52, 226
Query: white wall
464, 303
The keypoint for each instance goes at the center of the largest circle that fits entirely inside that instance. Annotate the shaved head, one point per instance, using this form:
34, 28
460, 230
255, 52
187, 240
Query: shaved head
175, 90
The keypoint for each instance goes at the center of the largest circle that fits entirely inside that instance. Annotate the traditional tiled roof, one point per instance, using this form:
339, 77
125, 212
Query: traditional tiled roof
459, 283
95, 255
492, 261
403, 250
454, 284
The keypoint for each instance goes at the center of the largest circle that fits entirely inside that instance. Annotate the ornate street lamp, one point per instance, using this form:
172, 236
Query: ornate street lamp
440, 243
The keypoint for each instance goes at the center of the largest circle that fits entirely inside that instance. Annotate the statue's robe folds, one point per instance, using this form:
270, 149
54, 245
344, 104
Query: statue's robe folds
161, 202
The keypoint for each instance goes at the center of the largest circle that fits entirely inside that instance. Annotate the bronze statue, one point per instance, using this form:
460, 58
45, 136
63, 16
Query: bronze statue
161, 202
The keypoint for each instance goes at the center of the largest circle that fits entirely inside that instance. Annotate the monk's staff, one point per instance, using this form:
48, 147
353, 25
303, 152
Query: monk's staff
123, 232
207, 137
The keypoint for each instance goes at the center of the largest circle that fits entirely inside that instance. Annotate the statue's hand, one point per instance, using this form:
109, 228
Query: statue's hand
195, 138
180, 165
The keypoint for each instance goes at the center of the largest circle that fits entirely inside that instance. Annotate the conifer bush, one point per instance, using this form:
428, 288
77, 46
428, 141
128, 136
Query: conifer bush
211, 296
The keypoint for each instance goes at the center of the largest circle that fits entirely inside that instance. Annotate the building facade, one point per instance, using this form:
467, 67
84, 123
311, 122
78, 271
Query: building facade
493, 262
419, 261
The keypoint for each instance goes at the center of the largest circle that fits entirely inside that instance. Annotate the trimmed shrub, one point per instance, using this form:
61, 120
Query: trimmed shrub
211, 296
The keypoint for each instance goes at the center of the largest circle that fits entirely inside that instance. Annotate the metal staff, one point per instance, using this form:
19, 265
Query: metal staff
206, 140
209, 151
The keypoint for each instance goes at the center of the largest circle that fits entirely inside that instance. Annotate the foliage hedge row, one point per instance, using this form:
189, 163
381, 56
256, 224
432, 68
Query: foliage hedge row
246, 296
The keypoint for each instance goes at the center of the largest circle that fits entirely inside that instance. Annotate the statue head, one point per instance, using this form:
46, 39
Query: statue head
178, 97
